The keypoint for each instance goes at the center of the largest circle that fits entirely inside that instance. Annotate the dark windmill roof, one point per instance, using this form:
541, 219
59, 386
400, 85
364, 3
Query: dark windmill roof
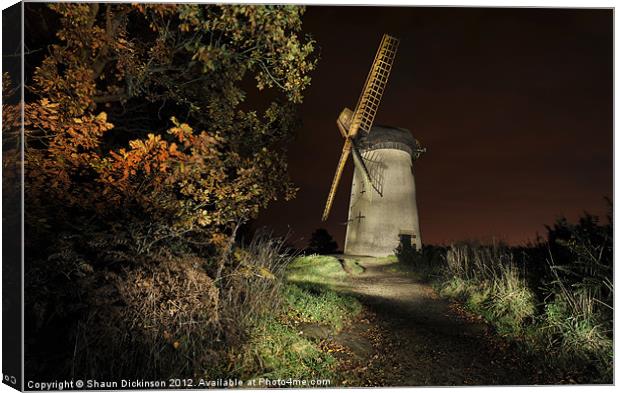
386, 137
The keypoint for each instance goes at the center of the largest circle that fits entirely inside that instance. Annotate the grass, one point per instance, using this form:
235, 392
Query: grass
312, 303
425, 264
316, 270
487, 281
577, 323
393, 264
310, 294
387, 260
564, 317
506, 303
277, 348
352, 266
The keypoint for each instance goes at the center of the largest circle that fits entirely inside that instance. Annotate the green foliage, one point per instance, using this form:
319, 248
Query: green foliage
581, 265
106, 102
387, 259
276, 350
487, 278
312, 303
316, 269
578, 316
311, 299
512, 302
150, 139
571, 323
578, 339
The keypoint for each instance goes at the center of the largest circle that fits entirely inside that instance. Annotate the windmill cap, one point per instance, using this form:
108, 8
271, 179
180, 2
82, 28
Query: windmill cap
386, 137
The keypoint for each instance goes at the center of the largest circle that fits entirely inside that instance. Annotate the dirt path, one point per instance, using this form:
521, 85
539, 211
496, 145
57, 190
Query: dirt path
410, 337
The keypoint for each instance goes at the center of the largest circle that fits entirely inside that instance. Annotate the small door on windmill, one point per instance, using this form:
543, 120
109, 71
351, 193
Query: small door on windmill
405, 237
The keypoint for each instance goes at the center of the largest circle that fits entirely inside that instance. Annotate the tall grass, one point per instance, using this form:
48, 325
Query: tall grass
578, 318
487, 279
170, 315
554, 297
428, 263
278, 346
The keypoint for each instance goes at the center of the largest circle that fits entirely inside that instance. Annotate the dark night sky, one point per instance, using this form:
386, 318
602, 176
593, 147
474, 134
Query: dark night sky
515, 107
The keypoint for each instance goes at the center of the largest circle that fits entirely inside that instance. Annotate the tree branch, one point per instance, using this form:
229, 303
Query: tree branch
112, 25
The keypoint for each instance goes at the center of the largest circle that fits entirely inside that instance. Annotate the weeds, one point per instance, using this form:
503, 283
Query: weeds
558, 305
428, 263
486, 278
578, 316
312, 303
165, 316
276, 348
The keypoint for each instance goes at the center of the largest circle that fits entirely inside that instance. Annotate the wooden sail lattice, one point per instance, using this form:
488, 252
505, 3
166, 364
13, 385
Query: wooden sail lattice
368, 104
364, 114
346, 150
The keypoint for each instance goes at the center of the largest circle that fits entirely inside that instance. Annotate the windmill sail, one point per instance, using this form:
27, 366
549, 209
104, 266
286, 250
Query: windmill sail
332, 192
363, 116
366, 109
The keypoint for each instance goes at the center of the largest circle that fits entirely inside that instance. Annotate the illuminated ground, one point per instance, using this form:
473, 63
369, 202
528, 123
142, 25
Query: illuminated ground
409, 336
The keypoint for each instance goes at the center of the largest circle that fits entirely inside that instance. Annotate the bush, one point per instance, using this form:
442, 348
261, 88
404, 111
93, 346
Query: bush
145, 321
577, 337
321, 242
428, 262
131, 267
578, 316
165, 317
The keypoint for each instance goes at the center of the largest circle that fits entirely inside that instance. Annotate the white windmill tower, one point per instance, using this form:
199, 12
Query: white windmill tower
383, 210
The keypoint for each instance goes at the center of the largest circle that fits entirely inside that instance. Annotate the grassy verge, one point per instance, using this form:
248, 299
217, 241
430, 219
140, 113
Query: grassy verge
562, 315
277, 350
352, 266
316, 270
320, 305
278, 347
507, 304
393, 265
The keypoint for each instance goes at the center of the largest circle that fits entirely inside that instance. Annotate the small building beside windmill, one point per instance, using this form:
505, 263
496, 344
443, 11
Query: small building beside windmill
380, 220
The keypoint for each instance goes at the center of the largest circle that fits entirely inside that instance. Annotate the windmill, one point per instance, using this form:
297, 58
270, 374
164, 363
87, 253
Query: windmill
382, 210
349, 123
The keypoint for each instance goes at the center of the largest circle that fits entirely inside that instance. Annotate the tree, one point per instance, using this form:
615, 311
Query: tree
151, 133
138, 122
321, 242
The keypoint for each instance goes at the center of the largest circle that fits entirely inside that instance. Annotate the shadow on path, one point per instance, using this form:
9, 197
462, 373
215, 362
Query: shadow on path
426, 342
